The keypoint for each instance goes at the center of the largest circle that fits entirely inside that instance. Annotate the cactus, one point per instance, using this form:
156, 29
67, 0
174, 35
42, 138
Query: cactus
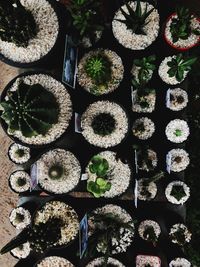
31, 109
98, 67
56, 172
135, 20
41, 237
17, 25
103, 124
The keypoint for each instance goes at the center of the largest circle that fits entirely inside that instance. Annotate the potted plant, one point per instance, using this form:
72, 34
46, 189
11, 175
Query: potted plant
98, 262
143, 128
19, 181
49, 112
100, 71
54, 261
108, 176
59, 171
174, 69
136, 25
20, 218
19, 154
30, 31
104, 124
176, 99
111, 231
177, 192
179, 234
148, 261
177, 159
177, 131
147, 188
87, 22
182, 29
180, 262
150, 231
55, 224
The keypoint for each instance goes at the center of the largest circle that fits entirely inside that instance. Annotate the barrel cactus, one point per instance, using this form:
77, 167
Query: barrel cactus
98, 68
31, 109
17, 25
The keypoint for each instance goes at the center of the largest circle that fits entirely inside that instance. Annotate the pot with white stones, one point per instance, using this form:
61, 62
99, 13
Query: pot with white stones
33, 36
53, 261
49, 112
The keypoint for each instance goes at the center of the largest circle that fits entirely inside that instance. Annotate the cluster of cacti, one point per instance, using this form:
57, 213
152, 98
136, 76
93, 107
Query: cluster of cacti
86, 17
103, 124
180, 26
98, 68
31, 109
17, 25
41, 236
56, 172
135, 20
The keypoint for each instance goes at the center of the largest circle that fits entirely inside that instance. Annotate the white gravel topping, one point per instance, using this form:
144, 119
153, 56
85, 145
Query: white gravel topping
22, 251
177, 131
20, 218
144, 162
121, 124
178, 99
58, 209
150, 98
133, 41
54, 261
173, 199
186, 233
180, 262
183, 43
146, 192
143, 128
179, 159
47, 24
99, 261
143, 260
144, 225
126, 236
63, 100
71, 167
163, 69
117, 71
119, 174
14, 153
20, 181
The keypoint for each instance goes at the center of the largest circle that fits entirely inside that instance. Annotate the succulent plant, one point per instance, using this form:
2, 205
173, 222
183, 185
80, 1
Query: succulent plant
98, 67
179, 236
21, 181
20, 152
150, 234
56, 172
103, 124
41, 237
180, 26
31, 109
135, 20
178, 65
178, 192
100, 167
86, 18
146, 66
17, 25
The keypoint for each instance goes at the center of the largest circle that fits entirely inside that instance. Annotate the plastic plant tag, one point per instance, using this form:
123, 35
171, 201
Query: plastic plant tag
83, 236
84, 176
168, 98
169, 162
78, 123
70, 62
136, 193
136, 161
34, 176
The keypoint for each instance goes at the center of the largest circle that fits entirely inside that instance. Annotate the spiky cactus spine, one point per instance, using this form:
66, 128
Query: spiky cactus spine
17, 25
31, 109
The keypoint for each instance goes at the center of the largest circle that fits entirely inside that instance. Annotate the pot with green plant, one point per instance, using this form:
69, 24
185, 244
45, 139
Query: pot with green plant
150, 231
179, 234
177, 192
174, 69
19, 154
111, 231
87, 21
136, 25
143, 100
108, 175
35, 109
182, 29
147, 187
100, 71
19, 181
143, 128
30, 31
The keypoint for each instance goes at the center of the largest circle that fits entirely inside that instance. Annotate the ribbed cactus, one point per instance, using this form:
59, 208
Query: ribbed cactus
98, 67
30, 109
41, 236
17, 25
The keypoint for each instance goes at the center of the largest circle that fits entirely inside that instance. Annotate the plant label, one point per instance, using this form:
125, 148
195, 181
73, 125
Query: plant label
83, 236
169, 162
168, 98
136, 193
78, 128
84, 176
70, 62
34, 176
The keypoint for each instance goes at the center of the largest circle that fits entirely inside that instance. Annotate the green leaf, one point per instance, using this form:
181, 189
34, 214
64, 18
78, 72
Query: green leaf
189, 61
179, 75
172, 72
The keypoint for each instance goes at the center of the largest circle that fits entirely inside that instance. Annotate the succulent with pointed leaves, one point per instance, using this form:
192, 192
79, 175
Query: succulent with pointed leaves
31, 109
135, 20
17, 25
